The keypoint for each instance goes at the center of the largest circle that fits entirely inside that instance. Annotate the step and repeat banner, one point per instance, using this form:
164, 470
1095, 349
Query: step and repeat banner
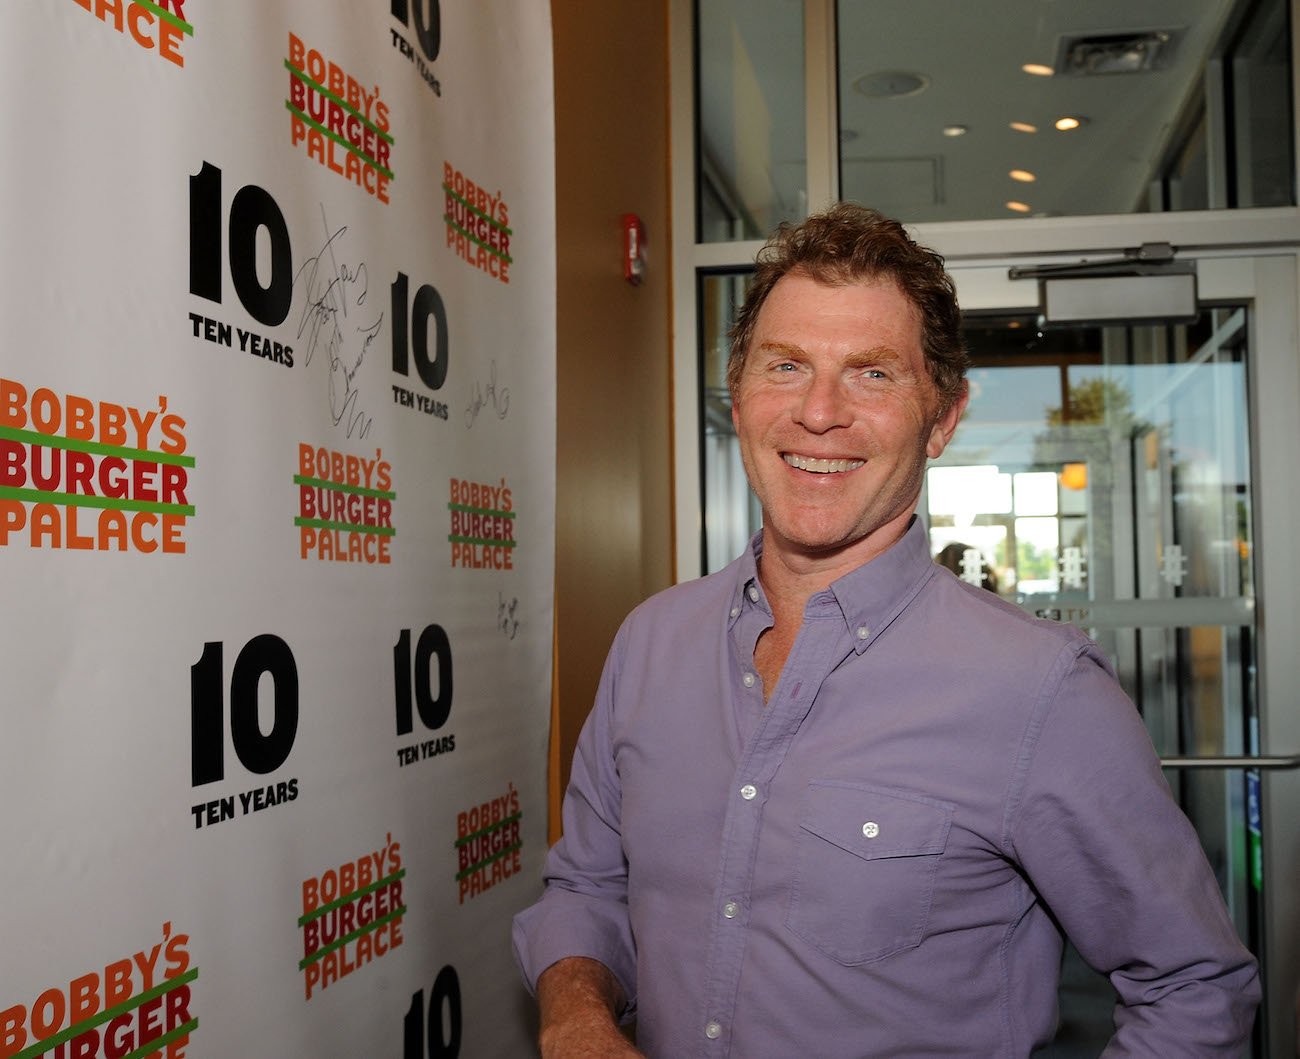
277, 419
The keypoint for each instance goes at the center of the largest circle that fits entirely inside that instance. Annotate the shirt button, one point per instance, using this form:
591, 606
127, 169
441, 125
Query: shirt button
748, 791
713, 1031
731, 910
863, 632
735, 611
871, 829
748, 680
753, 594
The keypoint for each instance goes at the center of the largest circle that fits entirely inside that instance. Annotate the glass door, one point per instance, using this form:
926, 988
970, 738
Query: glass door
1102, 476
1137, 480
1120, 478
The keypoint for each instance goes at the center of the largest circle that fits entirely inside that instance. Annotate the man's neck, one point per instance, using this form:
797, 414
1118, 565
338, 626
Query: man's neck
790, 576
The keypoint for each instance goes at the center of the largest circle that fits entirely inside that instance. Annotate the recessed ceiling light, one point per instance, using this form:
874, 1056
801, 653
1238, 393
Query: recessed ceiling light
1069, 122
1023, 126
1023, 175
1038, 69
956, 130
1018, 207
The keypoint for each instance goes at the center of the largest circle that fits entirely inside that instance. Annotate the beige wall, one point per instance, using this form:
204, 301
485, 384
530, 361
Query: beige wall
614, 435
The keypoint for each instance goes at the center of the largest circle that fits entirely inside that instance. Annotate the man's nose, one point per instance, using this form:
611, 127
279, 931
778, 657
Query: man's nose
824, 404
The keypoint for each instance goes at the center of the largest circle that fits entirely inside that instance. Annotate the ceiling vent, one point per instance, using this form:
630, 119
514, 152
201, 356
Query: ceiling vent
1116, 53
891, 84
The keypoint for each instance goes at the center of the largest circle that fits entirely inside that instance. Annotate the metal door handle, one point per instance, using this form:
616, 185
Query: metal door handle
1273, 762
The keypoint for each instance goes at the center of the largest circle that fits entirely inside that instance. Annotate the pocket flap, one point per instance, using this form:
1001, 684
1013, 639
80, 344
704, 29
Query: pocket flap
877, 822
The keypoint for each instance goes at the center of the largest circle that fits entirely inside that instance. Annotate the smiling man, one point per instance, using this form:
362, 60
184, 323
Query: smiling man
831, 801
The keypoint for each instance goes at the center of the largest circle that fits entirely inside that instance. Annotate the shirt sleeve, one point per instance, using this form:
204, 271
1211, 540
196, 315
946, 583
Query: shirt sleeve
1103, 842
583, 909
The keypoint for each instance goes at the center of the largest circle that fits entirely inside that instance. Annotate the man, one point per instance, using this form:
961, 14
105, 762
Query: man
833, 802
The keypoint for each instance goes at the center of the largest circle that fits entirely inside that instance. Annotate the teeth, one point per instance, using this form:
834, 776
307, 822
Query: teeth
808, 463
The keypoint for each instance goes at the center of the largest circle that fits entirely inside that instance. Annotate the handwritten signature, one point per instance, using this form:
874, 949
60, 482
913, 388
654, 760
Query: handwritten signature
482, 396
507, 623
336, 297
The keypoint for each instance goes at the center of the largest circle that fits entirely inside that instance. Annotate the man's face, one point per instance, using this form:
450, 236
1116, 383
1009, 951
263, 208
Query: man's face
836, 415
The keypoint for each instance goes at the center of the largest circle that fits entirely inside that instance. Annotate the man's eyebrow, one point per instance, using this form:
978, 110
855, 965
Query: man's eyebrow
781, 349
873, 355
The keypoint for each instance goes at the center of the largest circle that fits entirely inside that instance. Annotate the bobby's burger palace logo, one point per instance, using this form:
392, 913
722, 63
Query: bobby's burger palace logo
159, 27
340, 122
477, 224
91, 475
345, 506
351, 916
136, 1007
488, 845
482, 533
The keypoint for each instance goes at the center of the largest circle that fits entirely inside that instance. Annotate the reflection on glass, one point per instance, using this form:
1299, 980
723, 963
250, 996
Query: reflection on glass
1170, 107
751, 149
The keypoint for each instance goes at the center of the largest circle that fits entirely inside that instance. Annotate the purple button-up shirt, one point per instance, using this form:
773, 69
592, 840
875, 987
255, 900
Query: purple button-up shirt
875, 862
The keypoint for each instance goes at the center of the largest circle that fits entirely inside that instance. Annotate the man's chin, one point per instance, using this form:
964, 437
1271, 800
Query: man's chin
831, 542
816, 545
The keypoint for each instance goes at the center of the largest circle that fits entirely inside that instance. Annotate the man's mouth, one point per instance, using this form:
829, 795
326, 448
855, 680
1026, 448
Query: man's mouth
819, 466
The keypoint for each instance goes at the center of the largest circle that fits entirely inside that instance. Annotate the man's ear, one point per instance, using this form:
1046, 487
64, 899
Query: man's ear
946, 425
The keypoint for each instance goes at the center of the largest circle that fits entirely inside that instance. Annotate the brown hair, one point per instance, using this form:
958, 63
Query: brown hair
849, 244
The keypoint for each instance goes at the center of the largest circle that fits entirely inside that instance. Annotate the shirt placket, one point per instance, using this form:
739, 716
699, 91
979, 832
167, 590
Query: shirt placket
822, 644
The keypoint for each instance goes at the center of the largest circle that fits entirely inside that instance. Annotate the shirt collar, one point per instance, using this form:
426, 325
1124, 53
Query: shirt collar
747, 590
877, 592
869, 598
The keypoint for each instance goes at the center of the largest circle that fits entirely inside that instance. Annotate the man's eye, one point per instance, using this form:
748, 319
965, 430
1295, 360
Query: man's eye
874, 373
785, 365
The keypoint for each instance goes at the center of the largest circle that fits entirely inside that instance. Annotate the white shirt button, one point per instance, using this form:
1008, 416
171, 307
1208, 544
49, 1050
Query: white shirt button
753, 594
863, 632
748, 680
731, 910
748, 791
871, 829
713, 1031
735, 611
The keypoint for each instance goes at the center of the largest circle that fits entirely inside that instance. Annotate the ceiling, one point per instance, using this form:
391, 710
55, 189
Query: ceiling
968, 56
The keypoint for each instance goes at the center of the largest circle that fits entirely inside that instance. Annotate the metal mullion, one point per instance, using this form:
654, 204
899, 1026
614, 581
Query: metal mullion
821, 102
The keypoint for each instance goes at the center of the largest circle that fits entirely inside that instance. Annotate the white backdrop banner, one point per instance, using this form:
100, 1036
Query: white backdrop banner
277, 419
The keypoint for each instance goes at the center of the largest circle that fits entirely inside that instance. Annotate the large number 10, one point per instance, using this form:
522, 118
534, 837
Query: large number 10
446, 991
258, 752
433, 712
428, 305
428, 27
252, 210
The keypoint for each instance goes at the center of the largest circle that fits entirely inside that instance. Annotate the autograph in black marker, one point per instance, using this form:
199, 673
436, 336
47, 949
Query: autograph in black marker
333, 318
507, 623
497, 397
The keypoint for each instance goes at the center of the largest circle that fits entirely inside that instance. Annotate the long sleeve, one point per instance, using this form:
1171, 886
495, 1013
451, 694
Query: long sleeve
1094, 825
583, 911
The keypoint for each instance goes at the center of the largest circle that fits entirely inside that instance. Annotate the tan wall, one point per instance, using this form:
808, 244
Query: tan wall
614, 445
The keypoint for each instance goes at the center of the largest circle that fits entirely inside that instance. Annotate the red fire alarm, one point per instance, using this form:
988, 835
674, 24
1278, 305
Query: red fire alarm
633, 248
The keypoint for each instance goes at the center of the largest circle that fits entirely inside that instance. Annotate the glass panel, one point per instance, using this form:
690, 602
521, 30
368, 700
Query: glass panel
751, 153
1176, 104
731, 514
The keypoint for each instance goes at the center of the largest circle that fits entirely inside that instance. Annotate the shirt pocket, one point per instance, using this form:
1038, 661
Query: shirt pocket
865, 861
